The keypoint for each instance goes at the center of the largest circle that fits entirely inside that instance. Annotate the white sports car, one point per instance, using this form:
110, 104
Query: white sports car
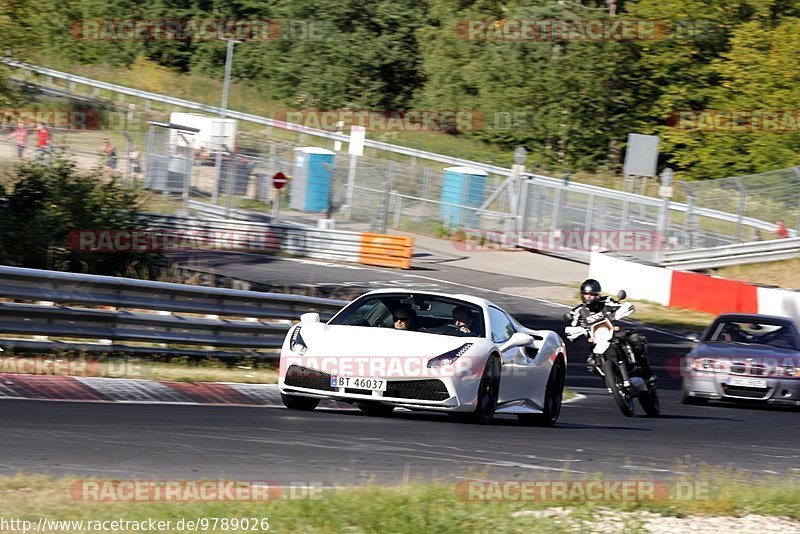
425, 351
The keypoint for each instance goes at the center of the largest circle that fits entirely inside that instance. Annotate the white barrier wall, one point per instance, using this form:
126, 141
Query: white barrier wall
779, 302
641, 282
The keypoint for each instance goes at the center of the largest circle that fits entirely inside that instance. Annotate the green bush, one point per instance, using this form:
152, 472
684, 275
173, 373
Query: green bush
42, 204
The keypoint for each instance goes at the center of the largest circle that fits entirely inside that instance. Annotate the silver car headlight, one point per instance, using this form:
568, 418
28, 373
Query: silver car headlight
449, 357
296, 343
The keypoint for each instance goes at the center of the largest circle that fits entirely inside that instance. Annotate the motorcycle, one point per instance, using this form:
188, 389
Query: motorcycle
614, 359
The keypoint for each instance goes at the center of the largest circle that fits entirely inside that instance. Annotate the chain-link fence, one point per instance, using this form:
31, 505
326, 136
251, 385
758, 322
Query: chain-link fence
380, 191
769, 196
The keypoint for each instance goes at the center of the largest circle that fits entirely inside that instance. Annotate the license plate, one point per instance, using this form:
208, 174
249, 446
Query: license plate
747, 382
358, 382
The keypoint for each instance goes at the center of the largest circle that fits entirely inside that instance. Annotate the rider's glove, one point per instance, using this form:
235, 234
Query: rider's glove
574, 332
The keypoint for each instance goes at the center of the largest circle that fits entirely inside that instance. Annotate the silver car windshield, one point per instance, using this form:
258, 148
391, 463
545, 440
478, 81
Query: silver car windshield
770, 334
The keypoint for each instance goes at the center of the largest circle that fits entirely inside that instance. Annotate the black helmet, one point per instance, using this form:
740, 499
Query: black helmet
590, 286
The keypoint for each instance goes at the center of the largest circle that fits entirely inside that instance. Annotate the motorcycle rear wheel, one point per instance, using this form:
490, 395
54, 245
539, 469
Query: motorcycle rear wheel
614, 382
650, 403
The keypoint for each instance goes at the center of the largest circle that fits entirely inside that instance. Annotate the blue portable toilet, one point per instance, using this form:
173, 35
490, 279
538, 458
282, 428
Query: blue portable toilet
463, 186
312, 180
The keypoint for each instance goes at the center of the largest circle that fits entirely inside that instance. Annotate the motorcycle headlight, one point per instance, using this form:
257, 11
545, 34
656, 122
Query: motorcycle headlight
296, 343
449, 357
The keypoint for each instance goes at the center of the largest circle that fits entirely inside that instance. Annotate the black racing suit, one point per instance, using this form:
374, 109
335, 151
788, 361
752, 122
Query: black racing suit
605, 308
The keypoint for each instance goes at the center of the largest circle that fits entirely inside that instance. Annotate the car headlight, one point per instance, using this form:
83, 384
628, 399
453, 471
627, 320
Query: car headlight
449, 357
296, 343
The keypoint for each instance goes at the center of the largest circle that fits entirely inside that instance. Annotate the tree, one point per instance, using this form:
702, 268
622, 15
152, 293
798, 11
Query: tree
44, 203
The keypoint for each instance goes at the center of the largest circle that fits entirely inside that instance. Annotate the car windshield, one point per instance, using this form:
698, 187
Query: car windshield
421, 313
779, 335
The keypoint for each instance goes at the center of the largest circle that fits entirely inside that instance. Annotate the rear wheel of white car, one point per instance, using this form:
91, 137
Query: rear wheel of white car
553, 395
375, 408
293, 402
488, 391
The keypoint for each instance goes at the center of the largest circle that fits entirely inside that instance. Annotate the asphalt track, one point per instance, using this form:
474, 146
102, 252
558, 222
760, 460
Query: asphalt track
344, 447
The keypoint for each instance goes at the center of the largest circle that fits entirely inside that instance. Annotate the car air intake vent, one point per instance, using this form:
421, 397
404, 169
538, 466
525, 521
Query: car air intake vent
745, 393
302, 377
434, 390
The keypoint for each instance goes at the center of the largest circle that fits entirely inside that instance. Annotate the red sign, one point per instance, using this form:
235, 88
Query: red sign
279, 180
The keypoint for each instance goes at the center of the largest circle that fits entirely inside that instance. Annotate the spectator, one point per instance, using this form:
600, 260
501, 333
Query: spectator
20, 136
781, 231
405, 318
136, 163
42, 141
110, 153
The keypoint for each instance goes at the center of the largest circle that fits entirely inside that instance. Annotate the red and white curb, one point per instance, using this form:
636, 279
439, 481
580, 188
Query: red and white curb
132, 391
124, 390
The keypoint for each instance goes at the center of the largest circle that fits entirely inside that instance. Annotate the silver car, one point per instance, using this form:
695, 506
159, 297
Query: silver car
745, 358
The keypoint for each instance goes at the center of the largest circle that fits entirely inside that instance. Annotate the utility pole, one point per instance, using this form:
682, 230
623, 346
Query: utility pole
223, 114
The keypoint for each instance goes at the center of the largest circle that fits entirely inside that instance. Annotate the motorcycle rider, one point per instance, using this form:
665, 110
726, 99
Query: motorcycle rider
595, 308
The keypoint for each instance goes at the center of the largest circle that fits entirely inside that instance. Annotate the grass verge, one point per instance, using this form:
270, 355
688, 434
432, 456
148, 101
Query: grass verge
774, 273
413, 507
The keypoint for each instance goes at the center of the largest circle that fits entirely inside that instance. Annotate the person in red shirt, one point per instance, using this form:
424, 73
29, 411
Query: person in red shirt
781, 231
43, 137
20, 136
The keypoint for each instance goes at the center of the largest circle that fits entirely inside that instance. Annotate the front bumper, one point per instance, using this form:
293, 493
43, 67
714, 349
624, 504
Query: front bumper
719, 386
440, 394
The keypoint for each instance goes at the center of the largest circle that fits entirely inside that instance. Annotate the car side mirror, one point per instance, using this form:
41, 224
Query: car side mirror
694, 338
312, 317
517, 340
622, 295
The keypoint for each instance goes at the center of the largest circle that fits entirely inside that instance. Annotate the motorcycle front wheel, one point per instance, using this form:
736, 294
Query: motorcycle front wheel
614, 382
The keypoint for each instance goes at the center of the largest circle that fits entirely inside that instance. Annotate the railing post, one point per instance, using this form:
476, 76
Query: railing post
737, 236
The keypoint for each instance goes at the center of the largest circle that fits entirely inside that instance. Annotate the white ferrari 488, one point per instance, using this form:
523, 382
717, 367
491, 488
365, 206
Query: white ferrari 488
425, 351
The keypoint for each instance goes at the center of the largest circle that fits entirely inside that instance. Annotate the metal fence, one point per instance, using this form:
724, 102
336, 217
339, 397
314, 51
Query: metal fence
771, 196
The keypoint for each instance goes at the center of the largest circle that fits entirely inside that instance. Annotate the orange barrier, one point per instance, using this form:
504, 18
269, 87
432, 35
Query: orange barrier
712, 295
384, 250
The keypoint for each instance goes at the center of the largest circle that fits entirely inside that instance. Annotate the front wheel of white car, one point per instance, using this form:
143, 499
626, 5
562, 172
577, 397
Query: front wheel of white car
306, 404
553, 396
488, 392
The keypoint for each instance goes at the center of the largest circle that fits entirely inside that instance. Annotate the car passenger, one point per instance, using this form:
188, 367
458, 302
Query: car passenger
405, 318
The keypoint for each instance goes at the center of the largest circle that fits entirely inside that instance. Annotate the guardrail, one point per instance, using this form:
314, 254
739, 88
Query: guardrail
382, 250
141, 311
740, 253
